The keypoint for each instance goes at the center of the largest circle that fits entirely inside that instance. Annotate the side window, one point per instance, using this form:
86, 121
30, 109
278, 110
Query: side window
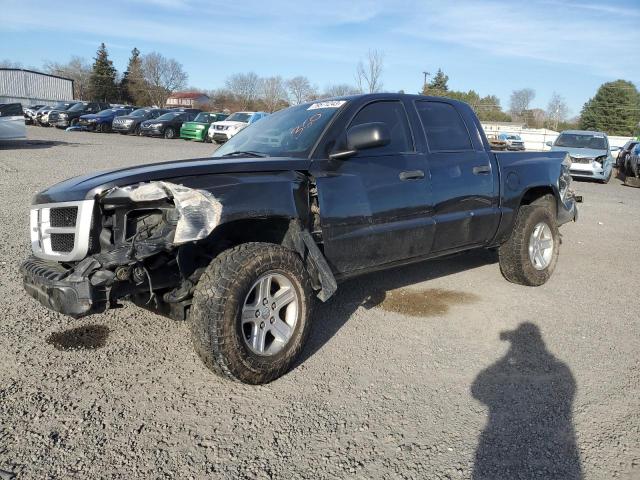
393, 114
443, 127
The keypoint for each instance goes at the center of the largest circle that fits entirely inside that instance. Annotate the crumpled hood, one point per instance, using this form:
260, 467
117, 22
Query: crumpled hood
580, 152
88, 186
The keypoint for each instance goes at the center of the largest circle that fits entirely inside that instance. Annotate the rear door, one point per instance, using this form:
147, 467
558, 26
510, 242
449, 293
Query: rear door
374, 205
464, 178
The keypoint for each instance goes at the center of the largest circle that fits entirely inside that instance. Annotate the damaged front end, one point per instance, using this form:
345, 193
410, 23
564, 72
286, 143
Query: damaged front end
139, 242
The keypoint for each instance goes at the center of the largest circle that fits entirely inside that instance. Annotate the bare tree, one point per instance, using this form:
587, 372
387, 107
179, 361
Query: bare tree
77, 69
245, 87
520, 101
273, 93
163, 77
557, 110
339, 90
300, 90
6, 63
368, 76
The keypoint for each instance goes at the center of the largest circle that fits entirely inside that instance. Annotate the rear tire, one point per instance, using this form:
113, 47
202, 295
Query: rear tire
221, 312
525, 258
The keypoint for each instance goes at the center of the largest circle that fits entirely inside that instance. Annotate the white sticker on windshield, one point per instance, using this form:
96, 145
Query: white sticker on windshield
330, 104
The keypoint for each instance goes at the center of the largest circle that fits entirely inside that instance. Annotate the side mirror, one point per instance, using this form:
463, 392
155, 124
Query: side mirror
362, 137
549, 143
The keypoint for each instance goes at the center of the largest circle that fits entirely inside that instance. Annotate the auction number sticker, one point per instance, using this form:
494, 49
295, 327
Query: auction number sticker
330, 104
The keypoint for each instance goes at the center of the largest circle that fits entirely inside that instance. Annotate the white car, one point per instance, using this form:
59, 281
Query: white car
12, 122
222, 131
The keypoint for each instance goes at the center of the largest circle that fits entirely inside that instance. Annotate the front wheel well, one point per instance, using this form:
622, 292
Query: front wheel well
536, 193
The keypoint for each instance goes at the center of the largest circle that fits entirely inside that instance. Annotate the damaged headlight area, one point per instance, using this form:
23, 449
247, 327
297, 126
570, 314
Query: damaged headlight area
564, 181
143, 246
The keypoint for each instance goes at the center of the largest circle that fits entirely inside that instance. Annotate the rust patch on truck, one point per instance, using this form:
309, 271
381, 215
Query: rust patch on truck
424, 303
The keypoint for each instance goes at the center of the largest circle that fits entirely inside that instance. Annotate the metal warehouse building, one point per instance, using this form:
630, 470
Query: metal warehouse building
29, 87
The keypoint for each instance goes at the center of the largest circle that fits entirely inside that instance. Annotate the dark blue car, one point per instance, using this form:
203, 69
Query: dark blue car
101, 121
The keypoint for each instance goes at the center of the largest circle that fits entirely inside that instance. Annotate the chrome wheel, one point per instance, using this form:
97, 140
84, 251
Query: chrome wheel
541, 246
270, 314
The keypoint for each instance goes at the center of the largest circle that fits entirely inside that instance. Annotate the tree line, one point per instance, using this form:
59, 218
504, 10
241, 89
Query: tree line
149, 79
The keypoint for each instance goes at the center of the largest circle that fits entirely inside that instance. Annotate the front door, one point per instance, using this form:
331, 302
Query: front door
464, 179
374, 206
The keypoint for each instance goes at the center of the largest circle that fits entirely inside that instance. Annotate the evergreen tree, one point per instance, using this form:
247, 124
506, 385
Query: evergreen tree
437, 86
102, 83
132, 84
615, 109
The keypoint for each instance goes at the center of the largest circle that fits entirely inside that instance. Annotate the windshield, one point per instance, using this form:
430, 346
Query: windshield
169, 115
107, 112
203, 118
239, 117
581, 140
289, 133
62, 105
141, 112
78, 107
513, 137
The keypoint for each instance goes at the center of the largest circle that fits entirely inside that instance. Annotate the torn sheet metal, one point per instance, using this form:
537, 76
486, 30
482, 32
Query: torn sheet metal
199, 210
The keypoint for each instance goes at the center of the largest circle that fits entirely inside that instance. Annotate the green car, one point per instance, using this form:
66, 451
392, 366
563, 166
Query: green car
197, 130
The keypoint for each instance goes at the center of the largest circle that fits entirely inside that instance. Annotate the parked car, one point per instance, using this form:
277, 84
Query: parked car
42, 115
624, 153
514, 142
168, 125
496, 144
589, 152
199, 127
222, 131
30, 113
12, 122
130, 124
632, 162
71, 116
102, 121
309, 196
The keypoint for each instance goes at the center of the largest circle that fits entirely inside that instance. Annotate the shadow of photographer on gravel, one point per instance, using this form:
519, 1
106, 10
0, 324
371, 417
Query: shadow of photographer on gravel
530, 431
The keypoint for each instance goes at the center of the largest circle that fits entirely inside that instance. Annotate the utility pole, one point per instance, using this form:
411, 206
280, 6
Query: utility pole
424, 85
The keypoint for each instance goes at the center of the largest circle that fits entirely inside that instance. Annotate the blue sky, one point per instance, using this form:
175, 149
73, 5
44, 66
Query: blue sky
494, 47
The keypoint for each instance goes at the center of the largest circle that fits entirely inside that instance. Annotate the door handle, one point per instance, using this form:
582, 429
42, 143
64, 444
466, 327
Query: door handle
411, 175
481, 170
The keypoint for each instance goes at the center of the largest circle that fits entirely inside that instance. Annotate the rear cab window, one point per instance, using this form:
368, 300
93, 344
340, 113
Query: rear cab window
443, 126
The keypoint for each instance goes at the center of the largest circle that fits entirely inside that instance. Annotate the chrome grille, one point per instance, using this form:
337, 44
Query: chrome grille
62, 242
60, 231
63, 217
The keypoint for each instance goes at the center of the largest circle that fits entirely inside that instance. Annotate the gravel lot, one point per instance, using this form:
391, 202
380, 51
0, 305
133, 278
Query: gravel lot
437, 370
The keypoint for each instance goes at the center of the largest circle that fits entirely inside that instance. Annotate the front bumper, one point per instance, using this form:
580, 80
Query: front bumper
193, 134
588, 171
568, 209
123, 128
62, 123
151, 132
68, 291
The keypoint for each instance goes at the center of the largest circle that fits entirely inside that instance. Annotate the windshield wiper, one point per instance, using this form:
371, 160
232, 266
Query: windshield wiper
248, 153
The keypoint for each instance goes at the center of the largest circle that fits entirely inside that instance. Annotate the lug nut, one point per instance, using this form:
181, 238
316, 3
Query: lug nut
265, 301
261, 324
257, 313
272, 320
273, 306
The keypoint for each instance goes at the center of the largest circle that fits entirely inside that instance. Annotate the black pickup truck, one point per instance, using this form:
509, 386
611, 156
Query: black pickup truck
239, 244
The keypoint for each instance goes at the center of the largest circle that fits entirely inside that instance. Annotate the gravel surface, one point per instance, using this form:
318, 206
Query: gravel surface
437, 370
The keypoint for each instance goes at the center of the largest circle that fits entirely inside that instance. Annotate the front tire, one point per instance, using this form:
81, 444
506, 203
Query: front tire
530, 255
169, 133
251, 312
